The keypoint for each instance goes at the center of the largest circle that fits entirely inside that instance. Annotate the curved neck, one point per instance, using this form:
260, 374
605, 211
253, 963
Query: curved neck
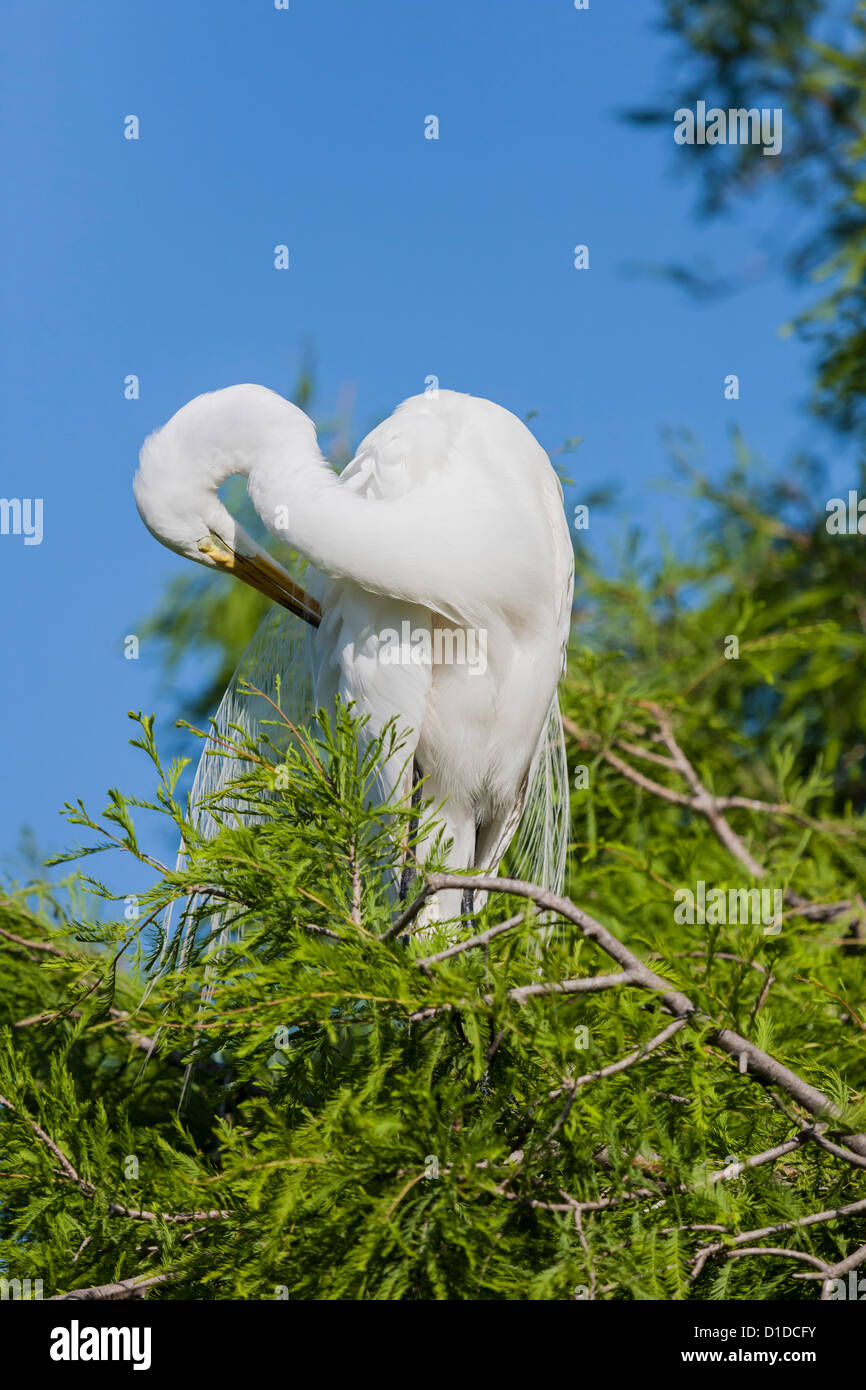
420, 547
385, 546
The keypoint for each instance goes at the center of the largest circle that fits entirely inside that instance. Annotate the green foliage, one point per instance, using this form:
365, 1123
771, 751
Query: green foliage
358, 1125
279, 1097
763, 569
807, 57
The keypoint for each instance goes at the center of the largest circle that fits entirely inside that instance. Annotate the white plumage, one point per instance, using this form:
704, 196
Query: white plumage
445, 532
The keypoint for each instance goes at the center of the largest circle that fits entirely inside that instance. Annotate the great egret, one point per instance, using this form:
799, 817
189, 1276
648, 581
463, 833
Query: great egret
440, 593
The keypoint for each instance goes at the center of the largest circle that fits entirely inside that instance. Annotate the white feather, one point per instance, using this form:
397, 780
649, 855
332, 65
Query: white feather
449, 519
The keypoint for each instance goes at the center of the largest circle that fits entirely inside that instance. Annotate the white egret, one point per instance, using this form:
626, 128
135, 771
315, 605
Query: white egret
445, 537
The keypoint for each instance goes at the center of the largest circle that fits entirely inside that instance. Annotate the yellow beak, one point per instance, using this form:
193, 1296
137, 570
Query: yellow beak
264, 574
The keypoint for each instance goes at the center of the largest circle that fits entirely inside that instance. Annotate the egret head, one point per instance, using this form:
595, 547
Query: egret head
176, 491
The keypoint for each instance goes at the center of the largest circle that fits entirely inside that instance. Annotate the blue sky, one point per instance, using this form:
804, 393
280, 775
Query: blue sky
408, 257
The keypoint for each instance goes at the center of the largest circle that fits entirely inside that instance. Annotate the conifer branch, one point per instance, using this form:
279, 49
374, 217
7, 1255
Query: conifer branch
765, 1067
114, 1208
712, 807
124, 1288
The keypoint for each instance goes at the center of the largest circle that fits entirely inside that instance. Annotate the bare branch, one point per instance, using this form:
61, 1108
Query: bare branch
482, 939
708, 805
114, 1208
125, 1288
837, 1271
589, 984
637, 1056
851, 1209
32, 945
749, 1057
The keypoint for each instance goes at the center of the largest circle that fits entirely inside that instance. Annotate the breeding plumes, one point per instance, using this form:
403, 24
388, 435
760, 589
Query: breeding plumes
439, 593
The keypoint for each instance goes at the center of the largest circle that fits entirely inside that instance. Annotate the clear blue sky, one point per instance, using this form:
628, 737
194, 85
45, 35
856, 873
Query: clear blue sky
408, 257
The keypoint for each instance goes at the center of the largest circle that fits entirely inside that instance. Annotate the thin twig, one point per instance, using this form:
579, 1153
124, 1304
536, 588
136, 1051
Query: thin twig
637, 1056
749, 1057
114, 1208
